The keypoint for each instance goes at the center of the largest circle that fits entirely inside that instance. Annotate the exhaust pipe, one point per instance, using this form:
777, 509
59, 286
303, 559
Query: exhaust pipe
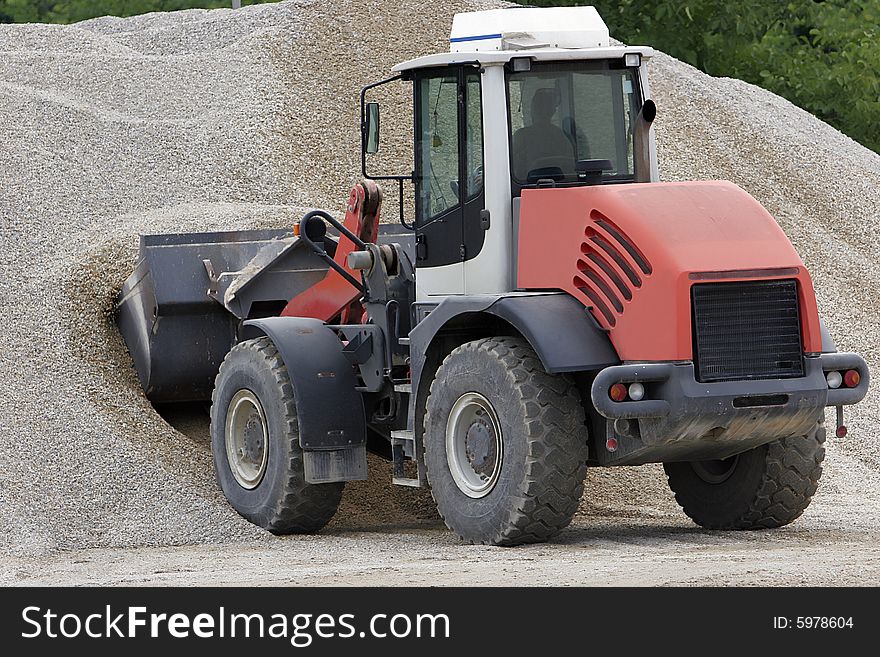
642, 141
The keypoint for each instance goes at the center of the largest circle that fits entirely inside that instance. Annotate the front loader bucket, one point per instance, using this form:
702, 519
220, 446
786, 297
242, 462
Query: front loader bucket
172, 315
179, 312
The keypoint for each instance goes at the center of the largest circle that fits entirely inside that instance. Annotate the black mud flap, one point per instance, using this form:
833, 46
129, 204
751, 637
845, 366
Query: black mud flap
332, 425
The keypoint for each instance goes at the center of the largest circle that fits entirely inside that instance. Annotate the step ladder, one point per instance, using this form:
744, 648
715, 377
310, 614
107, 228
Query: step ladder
404, 441
399, 440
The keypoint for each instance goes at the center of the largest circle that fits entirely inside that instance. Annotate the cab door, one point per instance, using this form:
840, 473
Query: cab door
449, 176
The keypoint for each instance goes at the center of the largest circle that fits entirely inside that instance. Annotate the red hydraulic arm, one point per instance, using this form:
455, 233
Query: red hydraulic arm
333, 299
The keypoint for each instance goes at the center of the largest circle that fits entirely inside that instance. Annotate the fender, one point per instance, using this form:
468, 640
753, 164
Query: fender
330, 411
556, 325
560, 330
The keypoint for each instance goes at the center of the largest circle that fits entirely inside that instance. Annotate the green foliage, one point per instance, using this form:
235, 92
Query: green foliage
70, 11
823, 55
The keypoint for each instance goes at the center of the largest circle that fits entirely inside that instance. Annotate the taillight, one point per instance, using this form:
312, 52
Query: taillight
618, 392
852, 378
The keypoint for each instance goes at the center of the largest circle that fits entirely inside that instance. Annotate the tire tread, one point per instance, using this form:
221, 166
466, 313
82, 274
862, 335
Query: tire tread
302, 507
556, 460
791, 475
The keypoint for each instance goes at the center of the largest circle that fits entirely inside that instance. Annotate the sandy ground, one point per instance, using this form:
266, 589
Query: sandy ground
643, 551
641, 539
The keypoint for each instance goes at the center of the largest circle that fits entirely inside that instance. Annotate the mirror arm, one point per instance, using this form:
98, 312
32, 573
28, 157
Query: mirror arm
364, 121
364, 136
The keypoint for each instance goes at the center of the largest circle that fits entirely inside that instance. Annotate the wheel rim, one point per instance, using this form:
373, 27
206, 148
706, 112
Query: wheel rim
474, 445
715, 471
247, 439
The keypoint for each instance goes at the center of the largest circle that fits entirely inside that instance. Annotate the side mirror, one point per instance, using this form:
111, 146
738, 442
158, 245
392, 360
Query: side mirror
371, 128
649, 111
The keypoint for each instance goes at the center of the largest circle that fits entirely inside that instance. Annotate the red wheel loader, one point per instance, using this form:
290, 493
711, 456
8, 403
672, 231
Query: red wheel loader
552, 306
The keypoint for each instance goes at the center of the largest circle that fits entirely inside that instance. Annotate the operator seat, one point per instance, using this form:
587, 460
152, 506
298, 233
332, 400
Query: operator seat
543, 144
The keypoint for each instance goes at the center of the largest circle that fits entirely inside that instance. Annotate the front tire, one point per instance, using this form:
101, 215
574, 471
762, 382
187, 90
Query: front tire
505, 444
764, 488
255, 441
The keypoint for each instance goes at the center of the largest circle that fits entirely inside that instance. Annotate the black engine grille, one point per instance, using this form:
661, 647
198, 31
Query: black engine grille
748, 330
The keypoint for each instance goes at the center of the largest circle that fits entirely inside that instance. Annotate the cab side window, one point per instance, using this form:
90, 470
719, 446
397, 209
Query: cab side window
438, 145
449, 165
473, 136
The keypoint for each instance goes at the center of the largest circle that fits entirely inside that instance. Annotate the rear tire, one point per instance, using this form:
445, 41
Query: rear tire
255, 441
766, 487
505, 444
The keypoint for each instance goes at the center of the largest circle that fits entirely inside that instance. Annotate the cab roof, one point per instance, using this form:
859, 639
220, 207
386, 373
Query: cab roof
495, 36
497, 58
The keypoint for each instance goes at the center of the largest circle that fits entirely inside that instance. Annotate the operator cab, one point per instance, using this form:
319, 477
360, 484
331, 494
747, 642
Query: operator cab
526, 98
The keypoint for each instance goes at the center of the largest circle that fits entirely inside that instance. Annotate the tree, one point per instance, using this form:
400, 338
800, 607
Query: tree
820, 54
24, 11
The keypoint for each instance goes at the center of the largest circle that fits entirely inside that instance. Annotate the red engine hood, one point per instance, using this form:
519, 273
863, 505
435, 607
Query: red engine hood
632, 252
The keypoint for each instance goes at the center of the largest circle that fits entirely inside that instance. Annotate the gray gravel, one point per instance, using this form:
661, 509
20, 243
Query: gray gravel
220, 119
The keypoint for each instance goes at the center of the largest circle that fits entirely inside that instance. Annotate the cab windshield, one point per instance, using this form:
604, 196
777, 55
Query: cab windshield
572, 123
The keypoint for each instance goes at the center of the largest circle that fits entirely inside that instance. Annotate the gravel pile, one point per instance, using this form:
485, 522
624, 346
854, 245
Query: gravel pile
218, 120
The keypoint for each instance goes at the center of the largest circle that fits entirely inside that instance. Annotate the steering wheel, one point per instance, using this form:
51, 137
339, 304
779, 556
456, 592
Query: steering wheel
563, 162
474, 183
